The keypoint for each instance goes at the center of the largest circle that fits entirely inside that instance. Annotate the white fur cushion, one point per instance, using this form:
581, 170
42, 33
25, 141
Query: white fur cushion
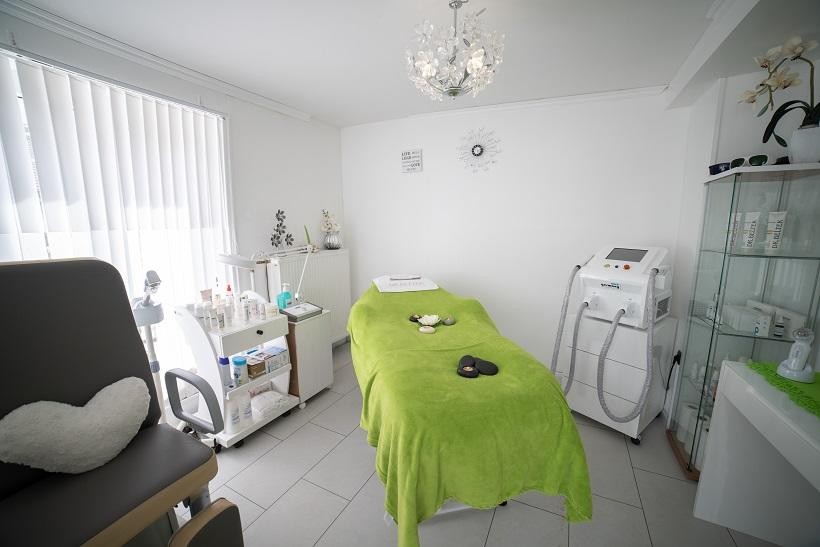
62, 438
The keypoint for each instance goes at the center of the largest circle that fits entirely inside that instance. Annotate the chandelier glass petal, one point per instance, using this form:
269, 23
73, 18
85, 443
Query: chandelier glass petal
453, 60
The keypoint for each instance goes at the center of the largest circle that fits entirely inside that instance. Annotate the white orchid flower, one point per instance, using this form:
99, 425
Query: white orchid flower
749, 96
782, 79
795, 46
770, 58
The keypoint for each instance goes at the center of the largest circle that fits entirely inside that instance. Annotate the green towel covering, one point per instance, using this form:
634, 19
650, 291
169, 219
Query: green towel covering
803, 395
440, 436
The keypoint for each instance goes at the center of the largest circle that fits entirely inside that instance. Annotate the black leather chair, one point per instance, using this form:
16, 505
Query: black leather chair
67, 331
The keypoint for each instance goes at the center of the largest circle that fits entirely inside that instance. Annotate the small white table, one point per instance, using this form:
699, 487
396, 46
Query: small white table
761, 469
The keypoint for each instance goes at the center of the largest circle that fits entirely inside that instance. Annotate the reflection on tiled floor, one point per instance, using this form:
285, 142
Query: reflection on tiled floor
308, 479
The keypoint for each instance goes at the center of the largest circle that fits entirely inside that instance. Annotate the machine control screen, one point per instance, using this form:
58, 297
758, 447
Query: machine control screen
626, 255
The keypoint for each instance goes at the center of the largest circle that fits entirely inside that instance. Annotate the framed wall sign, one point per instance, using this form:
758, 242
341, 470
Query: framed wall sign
411, 161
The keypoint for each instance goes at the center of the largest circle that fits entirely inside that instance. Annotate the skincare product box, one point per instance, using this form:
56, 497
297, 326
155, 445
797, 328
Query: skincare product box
743, 319
274, 357
256, 366
787, 320
763, 325
750, 223
774, 231
737, 219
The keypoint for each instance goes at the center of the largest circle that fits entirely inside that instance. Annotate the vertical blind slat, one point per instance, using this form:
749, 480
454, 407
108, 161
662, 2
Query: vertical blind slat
21, 171
66, 139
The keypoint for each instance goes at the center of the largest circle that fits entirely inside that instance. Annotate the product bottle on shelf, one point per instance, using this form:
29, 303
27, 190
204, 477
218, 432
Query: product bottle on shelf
239, 370
225, 371
284, 299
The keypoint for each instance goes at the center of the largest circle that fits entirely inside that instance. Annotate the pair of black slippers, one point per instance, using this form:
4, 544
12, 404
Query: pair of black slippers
471, 367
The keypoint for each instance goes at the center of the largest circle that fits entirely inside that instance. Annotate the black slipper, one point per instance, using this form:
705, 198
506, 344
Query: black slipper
466, 367
485, 367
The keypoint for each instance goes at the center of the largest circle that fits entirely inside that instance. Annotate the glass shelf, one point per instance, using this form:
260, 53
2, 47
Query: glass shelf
758, 254
725, 330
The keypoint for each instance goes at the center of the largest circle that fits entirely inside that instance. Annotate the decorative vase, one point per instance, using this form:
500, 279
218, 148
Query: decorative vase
804, 146
332, 240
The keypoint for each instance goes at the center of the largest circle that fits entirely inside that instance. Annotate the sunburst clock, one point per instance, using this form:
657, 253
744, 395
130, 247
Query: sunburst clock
478, 150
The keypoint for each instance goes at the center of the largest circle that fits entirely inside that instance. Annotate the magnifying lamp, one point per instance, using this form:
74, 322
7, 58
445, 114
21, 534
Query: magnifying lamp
149, 312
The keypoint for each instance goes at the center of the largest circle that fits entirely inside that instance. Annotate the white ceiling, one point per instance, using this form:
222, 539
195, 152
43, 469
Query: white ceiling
342, 61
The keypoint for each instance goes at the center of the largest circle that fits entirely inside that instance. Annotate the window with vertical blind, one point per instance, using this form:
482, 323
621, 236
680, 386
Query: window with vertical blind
88, 168
94, 169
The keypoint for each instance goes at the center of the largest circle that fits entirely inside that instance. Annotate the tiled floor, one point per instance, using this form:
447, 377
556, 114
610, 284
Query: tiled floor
308, 479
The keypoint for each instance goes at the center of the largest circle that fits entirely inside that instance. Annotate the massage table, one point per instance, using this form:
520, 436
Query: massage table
439, 436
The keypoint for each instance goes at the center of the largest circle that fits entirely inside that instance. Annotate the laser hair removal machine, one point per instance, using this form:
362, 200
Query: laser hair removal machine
621, 339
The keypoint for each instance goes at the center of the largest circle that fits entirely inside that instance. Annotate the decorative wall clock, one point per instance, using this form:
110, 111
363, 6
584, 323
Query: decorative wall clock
478, 150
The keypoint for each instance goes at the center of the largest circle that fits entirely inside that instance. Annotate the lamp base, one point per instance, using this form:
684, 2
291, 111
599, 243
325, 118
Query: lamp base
806, 375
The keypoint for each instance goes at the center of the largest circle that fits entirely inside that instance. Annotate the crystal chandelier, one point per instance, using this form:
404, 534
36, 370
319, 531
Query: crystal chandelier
452, 61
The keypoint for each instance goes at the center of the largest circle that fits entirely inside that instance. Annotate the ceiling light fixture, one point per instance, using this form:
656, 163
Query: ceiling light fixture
452, 61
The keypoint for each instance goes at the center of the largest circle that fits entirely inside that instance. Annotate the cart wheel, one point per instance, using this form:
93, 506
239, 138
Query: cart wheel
302, 406
636, 440
217, 448
503, 503
239, 444
187, 429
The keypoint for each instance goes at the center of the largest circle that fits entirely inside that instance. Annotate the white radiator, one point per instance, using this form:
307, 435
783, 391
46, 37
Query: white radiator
326, 284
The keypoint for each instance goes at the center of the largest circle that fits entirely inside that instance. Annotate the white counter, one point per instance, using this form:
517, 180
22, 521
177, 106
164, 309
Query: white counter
761, 470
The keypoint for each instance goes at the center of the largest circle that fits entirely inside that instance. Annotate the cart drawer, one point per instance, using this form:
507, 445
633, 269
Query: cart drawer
242, 338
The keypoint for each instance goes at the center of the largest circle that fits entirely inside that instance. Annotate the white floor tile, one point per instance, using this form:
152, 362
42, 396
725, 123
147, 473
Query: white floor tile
654, 453
248, 510
745, 540
553, 504
524, 526
613, 524
341, 356
580, 419
232, 461
284, 427
298, 519
344, 415
264, 481
348, 466
362, 523
668, 506
344, 379
610, 472
464, 528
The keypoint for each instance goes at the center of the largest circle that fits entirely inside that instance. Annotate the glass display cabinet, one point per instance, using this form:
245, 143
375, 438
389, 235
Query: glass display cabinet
757, 280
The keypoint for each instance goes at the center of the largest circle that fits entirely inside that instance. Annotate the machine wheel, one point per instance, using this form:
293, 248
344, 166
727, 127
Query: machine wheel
302, 406
187, 429
636, 440
239, 444
217, 448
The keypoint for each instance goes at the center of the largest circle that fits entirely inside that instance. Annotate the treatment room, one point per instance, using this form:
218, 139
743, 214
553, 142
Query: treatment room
433, 273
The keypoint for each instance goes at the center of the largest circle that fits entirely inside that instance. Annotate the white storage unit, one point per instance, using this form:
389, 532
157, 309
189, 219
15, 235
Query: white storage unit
326, 284
311, 354
208, 345
761, 471
624, 372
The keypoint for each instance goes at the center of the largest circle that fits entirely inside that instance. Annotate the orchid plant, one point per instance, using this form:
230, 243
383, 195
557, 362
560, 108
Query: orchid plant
329, 222
776, 63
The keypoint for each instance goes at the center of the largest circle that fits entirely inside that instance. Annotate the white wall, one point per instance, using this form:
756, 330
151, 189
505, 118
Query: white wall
573, 176
275, 161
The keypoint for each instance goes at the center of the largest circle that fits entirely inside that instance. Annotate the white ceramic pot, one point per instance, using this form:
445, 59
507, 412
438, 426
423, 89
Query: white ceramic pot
804, 147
